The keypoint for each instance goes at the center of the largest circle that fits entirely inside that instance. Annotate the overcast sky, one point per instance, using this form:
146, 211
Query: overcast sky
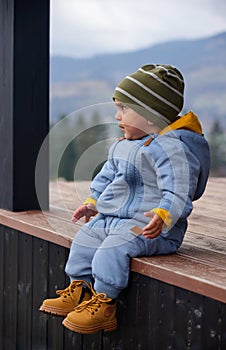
82, 28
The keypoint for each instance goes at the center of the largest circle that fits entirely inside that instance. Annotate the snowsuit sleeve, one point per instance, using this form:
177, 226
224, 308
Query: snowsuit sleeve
173, 179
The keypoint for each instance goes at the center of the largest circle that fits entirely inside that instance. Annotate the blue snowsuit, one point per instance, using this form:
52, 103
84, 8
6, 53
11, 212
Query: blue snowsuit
166, 172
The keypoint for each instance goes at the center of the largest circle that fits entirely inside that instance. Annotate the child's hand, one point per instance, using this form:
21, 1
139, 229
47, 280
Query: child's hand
86, 210
154, 228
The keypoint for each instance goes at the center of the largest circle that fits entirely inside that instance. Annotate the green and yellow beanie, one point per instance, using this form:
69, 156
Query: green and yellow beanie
155, 91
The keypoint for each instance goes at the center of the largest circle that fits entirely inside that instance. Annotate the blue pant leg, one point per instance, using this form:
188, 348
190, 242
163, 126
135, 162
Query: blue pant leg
111, 262
84, 245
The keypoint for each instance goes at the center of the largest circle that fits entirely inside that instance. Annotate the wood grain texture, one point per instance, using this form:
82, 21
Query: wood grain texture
24, 107
199, 265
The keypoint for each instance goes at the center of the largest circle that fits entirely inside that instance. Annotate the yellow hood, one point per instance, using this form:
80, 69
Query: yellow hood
188, 122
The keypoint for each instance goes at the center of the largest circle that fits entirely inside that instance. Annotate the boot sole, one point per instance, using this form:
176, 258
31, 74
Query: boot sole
107, 327
54, 310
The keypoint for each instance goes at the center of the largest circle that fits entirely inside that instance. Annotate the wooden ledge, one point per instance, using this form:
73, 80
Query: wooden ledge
35, 223
200, 264
183, 271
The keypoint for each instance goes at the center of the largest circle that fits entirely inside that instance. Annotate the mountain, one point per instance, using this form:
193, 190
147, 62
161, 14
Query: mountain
77, 83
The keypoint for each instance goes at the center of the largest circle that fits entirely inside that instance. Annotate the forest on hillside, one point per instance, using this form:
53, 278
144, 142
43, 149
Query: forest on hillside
79, 147
78, 155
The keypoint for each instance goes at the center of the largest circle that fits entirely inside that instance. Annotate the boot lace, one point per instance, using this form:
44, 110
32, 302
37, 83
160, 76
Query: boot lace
94, 303
70, 289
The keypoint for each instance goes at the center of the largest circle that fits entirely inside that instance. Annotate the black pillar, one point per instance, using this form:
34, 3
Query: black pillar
24, 101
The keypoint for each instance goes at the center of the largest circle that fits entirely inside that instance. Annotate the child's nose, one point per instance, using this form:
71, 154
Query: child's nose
118, 116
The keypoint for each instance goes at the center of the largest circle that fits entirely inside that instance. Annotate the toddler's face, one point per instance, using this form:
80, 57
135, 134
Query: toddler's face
132, 124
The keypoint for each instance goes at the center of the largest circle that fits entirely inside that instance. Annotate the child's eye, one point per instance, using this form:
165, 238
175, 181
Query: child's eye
123, 108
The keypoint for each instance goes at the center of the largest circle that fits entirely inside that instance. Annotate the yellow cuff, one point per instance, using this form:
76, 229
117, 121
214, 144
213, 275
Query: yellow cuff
164, 215
90, 200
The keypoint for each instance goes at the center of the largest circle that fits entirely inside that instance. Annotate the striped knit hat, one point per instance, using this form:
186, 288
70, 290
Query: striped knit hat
154, 91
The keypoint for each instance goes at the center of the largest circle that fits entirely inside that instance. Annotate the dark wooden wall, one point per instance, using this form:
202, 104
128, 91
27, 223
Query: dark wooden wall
151, 314
24, 101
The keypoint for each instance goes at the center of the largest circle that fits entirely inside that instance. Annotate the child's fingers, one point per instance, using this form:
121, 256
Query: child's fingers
152, 225
87, 219
78, 214
83, 211
75, 218
151, 235
152, 232
154, 228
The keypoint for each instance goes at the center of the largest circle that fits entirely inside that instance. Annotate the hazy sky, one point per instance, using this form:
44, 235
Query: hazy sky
81, 28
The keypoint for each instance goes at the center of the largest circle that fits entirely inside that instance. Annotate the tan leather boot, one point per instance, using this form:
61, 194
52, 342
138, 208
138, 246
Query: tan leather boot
93, 315
68, 298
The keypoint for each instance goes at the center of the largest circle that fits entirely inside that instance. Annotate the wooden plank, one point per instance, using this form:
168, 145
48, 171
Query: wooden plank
68, 195
217, 232
212, 324
72, 340
162, 317
180, 317
40, 292
222, 325
56, 281
6, 105
36, 224
92, 341
130, 313
10, 289
24, 292
207, 256
216, 220
2, 268
24, 107
185, 328
194, 321
142, 337
197, 276
206, 242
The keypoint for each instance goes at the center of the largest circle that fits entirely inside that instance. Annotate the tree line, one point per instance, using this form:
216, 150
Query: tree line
85, 140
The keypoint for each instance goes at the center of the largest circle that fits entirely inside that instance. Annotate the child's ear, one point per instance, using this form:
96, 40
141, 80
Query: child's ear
153, 128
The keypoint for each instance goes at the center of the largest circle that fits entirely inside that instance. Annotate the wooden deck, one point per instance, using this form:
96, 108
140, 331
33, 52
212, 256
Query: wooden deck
200, 264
